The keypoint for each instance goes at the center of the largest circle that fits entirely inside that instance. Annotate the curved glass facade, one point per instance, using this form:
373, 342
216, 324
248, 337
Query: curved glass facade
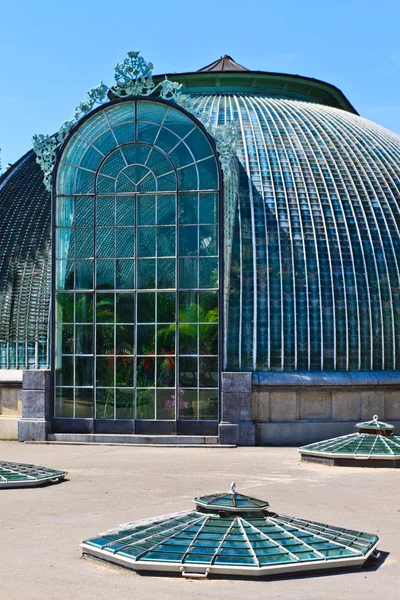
137, 267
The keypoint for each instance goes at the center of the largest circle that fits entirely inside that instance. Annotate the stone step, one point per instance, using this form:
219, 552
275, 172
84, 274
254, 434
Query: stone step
133, 440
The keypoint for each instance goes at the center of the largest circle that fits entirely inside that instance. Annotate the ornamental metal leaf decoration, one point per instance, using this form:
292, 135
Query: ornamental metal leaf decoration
134, 77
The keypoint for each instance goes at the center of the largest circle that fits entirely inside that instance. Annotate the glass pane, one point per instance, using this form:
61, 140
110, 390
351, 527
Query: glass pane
65, 212
166, 401
188, 339
64, 370
105, 274
84, 308
105, 371
208, 372
105, 242
65, 333
188, 242
208, 405
181, 156
188, 178
208, 208
188, 207
146, 241
208, 306
84, 211
105, 210
146, 210
124, 274
64, 402
151, 111
125, 210
208, 240
145, 372
65, 274
166, 241
208, 339
84, 371
187, 404
188, 273
125, 335
166, 209
208, 273
65, 308
84, 339
84, 403
65, 242
105, 308
188, 371
145, 404
146, 273
199, 144
166, 339
125, 308
84, 274
166, 273
124, 371
188, 307
166, 307
124, 400
146, 307
105, 339
84, 243
166, 371
208, 174
104, 404
145, 339
125, 242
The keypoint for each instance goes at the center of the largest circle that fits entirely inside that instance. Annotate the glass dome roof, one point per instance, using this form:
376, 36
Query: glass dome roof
22, 475
198, 544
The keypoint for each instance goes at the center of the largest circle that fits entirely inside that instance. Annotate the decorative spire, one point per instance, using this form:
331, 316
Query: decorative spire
225, 63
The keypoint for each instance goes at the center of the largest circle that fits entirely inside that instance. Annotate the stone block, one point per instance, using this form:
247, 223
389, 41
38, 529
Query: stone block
392, 406
236, 407
228, 433
36, 380
32, 430
11, 401
346, 406
299, 433
8, 428
315, 405
372, 403
34, 404
260, 406
236, 382
282, 406
246, 434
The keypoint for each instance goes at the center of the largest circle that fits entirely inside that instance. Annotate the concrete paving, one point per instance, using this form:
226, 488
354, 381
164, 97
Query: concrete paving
41, 529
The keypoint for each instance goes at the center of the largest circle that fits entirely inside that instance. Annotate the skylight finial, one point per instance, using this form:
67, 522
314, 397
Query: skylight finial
233, 487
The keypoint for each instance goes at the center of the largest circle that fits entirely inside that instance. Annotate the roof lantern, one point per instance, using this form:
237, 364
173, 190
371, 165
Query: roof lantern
231, 534
225, 63
374, 445
21, 475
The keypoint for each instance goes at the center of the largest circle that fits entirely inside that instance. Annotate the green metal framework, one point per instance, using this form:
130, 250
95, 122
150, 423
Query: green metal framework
22, 475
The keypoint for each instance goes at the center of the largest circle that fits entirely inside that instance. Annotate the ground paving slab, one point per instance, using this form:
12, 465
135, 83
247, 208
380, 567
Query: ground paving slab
41, 528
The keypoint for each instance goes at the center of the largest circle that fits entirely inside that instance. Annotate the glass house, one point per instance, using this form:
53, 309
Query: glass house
163, 306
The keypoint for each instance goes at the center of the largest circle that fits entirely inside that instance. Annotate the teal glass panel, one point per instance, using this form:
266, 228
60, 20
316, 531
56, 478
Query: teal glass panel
188, 276
181, 156
146, 273
124, 274
65, 243
166, 339
145, 404
166, 209
188, 209
125, 210
105, 185
84, 182
146, 339
125, 134
65, 179
188, 307
104, 308
124, 403
65, 212
146, 307
165, 404
208, 405
84, 274
64, 370
208, 372
83, 403
145, 374
146, 210
166, 140
146, 241
124, 371
105, 371
65, 308
93, 127
105, 273
105, 247
105, 339
121, 113
159, 163
91, 159
65, 339
208, 306
113, 164
188, 404
208, 174
125, 308
136, 154
84, 211
199, 145
105, 210
166, 241
188, 339
188, 178
105, 403
166, 307
166, 273
75, 149
84, 242
151, 111
208, 240
166, 372
83, 371
125, 242
147, 132
208, 273
188, 376
208, 339
106, 143
64, 405
208, 208
84, 308
188, 240
84, 339
125, 338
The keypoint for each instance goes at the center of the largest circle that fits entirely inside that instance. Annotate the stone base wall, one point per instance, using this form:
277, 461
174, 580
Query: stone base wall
10, 403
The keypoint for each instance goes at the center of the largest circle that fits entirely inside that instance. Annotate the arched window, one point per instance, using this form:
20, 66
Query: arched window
137, 268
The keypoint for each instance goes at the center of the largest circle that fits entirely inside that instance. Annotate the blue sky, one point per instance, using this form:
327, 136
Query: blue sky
52, 52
